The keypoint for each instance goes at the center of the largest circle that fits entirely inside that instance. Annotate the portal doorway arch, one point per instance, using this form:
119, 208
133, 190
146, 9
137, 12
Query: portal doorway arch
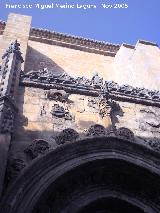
78, 175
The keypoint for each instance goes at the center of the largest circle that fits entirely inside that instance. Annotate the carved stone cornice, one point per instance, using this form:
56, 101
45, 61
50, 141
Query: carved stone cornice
94, 87
74, 42
132, 94
70, 41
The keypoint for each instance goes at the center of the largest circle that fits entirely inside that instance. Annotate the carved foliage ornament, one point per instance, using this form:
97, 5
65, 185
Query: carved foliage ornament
125, 133
137, 92
96, 130
67, 135
38, 146
109, 87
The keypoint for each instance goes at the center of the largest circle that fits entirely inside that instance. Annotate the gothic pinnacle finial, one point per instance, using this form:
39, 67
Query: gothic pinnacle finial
14, 48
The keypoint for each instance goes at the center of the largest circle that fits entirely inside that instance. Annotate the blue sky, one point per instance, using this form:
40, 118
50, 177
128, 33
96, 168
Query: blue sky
141, 20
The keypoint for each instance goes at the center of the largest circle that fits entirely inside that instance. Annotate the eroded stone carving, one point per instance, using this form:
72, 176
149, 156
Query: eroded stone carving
104, 108
43, 111
9, 77
136, 92
83, 85
58, 111
15, 165
8, 119
67, 135
57, 95
96, 130
38, 146
154, 144
97, 82
125, 134
14, 48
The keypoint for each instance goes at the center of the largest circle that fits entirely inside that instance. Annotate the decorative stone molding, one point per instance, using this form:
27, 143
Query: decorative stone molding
57, 95
14, 167
67, 135
125, 133
96, 130
114, 164
13, 48
8, 119
99, 130
9, 82
132, 92
38, 147
73, 42
94, 87
59, 112
154, 144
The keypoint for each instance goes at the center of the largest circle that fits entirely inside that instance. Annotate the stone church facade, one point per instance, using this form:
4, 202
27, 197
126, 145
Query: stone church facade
79, 123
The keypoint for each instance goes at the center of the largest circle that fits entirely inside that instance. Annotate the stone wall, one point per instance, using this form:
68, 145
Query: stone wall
36, 120
17, 28
134, 66
41, 121
61, 59
139, 66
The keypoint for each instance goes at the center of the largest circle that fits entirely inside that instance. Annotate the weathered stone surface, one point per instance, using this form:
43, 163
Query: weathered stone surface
48, 117
5, 140
17, 27
139, 66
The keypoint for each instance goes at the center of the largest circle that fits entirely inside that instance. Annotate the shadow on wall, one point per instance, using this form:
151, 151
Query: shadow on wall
36, 60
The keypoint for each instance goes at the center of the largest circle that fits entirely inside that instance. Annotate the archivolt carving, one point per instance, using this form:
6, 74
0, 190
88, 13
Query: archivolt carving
14, 167
96, 130
125, 133
38, 146
99, 130
67, 135
154, 144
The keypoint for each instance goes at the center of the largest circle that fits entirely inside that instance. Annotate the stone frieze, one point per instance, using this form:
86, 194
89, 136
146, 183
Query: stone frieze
94, 87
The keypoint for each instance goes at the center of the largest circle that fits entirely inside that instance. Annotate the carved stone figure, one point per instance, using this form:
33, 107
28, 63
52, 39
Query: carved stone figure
97, 82
67, 135
38, 146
